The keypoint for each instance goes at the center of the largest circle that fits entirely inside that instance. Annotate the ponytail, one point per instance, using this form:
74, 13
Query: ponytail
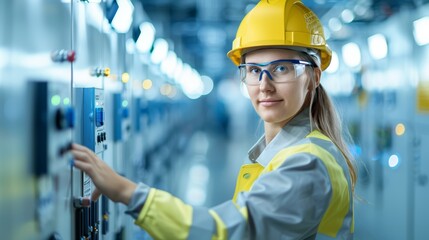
325, 119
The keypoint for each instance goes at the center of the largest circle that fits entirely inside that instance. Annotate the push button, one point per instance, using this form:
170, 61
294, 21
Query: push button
69, 116
246, 175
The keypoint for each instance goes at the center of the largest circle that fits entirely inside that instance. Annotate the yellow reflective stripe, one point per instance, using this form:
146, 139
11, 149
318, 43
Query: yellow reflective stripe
164, 216
246, 177
317, 134
221, 228
222, 231
340, 201
339, 204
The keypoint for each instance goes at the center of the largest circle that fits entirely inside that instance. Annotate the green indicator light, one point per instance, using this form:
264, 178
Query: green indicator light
124, 103
56, 100
66, 101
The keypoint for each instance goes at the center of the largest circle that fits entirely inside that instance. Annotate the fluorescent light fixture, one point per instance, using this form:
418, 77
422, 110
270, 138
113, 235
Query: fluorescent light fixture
147, 36
421, 33
160, 51
178, 70
377, 46
347, 16
351, 54
335, 24
335, 63
192, 84
169, 63
183, 74
208, 84
123, 18
130, 46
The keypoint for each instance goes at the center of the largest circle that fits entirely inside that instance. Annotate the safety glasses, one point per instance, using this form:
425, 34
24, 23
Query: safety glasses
278, 71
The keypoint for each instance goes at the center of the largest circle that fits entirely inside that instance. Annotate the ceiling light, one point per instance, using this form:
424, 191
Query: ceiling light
351, 54
377, 46
145, 37
160, 51
347, 16
335, 24
421, 33
123, 16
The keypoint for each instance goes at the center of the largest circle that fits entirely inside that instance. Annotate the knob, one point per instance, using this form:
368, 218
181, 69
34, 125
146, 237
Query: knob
98, 72
82, 202
60, 120
64, 149
63, 55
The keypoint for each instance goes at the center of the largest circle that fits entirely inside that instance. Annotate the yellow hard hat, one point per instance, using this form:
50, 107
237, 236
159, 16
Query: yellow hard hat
280, 23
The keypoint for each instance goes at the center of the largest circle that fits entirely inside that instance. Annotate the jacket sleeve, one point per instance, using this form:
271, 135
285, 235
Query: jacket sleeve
286, 203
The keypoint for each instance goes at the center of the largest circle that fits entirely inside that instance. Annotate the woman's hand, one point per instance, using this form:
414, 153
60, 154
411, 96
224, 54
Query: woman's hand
106, 181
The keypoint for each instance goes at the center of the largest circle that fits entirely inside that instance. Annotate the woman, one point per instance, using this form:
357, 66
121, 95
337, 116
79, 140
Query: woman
299, 184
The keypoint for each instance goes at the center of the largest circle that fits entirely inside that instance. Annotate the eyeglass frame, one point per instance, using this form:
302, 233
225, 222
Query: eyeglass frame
264, 64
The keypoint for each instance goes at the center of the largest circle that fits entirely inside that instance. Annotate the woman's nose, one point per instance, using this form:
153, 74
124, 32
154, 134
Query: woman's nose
266, 81
267, 73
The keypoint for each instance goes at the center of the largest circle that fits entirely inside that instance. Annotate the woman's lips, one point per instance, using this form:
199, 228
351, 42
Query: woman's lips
269, 102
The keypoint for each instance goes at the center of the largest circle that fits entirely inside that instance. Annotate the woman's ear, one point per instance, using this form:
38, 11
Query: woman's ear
317, 75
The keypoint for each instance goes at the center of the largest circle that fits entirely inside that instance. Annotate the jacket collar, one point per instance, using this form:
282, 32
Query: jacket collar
295, 130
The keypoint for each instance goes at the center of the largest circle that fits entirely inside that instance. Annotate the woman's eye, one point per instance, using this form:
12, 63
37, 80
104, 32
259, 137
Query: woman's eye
254, 70
280, 69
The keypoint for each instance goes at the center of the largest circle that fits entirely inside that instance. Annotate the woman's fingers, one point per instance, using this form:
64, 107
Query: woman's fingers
105, 179
76, 148
95, 194
81, 156
83, 166
85, 160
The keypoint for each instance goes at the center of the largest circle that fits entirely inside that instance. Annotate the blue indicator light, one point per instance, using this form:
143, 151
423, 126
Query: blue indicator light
99, 115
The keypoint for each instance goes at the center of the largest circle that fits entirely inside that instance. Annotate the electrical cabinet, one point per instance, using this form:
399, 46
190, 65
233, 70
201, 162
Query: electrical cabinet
121, 118
92, 134
52, 122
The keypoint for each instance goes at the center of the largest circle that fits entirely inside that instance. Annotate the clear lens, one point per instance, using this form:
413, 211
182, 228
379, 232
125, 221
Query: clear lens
279, 71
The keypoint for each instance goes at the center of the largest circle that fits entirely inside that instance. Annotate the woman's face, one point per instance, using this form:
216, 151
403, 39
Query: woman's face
277, 103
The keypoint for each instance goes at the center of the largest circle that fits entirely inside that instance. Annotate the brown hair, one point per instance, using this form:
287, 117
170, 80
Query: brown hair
325, 118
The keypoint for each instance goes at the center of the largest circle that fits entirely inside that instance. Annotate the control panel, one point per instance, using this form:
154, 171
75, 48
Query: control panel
52, 122
92, 134
92, 131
